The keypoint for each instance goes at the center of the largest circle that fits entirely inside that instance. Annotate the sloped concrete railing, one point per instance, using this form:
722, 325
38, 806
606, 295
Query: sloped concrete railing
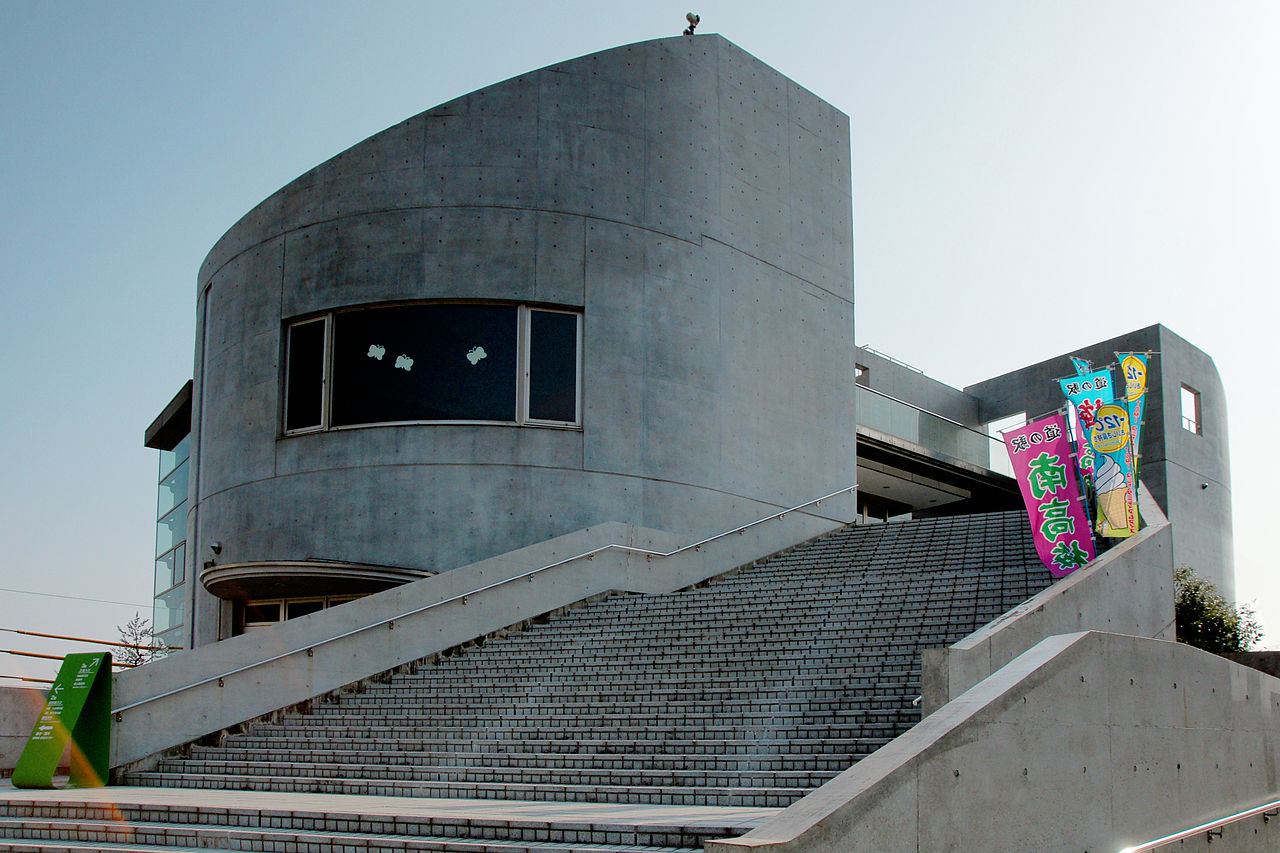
1087, 741
1127, 590
205, 690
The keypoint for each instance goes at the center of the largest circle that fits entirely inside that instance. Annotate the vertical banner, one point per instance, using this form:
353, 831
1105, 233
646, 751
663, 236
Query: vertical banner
1087, 393
1113, 478
1133, 369
1043, 467
76, 711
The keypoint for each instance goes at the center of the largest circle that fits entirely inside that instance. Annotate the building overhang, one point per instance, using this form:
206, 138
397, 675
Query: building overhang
302, 578
918, 479
173, 424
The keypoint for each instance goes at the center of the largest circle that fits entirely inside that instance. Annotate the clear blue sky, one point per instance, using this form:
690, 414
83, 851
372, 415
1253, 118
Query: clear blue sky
1028, 177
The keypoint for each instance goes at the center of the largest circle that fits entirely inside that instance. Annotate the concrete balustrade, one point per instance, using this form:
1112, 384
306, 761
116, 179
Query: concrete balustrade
1087, 741
185, 697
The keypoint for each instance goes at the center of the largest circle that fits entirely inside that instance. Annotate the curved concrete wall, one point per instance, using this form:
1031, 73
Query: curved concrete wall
694, 204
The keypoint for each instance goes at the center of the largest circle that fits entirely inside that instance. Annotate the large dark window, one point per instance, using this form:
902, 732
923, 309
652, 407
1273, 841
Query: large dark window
433, 362
424, 363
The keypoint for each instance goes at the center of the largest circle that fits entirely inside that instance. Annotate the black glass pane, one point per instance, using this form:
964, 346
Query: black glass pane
305, 376
425, 363
269, 612
294, 609
553, 366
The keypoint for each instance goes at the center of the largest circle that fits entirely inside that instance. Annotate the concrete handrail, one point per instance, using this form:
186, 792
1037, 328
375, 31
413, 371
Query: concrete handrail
1127, 590
462, 596
1271, 809
1062, 723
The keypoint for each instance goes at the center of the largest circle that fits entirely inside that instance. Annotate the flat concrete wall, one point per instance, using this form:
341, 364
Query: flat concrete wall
19, 708
173, 701
905, 384
693, 203
1085, 742
1128, 590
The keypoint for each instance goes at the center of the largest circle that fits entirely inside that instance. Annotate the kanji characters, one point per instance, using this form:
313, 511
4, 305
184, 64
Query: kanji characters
1046, 474
1057, 519
1069, 555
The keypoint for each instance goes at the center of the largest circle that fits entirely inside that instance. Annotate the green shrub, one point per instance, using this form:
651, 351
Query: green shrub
1208, 621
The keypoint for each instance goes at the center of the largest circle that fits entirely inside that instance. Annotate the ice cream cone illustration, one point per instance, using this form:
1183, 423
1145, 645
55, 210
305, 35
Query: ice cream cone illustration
1113, 495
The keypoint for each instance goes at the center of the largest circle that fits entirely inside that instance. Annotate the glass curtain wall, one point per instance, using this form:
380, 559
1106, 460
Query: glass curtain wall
169, 608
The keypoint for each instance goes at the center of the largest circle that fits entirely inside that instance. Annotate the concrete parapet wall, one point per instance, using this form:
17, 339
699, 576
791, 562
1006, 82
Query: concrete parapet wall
1128, 590
173, 701
1086, 741
19, 707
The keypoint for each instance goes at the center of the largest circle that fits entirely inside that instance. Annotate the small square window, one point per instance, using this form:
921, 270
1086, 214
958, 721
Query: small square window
861, 375
1191, 421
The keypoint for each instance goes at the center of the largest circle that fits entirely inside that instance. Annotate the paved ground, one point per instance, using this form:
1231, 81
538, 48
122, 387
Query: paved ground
487, 810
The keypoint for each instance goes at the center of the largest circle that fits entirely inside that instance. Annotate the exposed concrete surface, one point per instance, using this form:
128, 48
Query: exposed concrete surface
694, 205
1268, 662
1086, 742
361, 651
19, 707
1127, 590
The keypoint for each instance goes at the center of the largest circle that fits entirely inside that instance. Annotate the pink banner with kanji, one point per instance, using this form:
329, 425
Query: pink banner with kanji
1046, 474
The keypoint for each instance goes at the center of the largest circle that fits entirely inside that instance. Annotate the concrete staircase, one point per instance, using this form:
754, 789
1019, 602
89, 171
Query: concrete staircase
744, 693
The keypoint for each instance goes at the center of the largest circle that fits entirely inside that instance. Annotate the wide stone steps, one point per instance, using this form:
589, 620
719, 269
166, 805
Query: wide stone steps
28, 826
747, 692
771, 797
771, 679
626, 734
564, 748
589, 718
596, 694
585, 760
468, 691
550, 775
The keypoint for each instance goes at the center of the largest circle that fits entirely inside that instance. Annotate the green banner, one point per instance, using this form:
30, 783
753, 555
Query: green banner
76, 711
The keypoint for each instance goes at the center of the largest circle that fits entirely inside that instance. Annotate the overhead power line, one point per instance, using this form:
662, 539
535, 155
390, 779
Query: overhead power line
27, 678
75, 597
151, 648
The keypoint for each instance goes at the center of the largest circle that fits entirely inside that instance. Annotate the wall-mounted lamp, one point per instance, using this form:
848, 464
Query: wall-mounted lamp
1204, 485
215, 547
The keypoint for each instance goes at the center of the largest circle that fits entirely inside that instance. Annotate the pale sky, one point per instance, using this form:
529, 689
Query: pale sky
1028, 177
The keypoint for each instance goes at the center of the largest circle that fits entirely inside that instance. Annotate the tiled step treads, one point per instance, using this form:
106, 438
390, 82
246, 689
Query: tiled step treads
90, 826
747, 691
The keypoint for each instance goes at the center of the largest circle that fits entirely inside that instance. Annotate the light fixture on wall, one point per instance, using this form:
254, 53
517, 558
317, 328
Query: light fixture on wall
693, 18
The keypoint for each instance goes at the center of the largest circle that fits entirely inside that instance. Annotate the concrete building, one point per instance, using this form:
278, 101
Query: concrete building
616, 289
586, 336
596, 283
924, 448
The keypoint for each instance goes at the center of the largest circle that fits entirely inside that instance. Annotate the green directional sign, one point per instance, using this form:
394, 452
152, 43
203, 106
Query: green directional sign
77, 711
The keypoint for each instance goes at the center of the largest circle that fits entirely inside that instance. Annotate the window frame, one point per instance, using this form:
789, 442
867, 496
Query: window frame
524, 387
282, 603
1195, 423
523, 344
326, 382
